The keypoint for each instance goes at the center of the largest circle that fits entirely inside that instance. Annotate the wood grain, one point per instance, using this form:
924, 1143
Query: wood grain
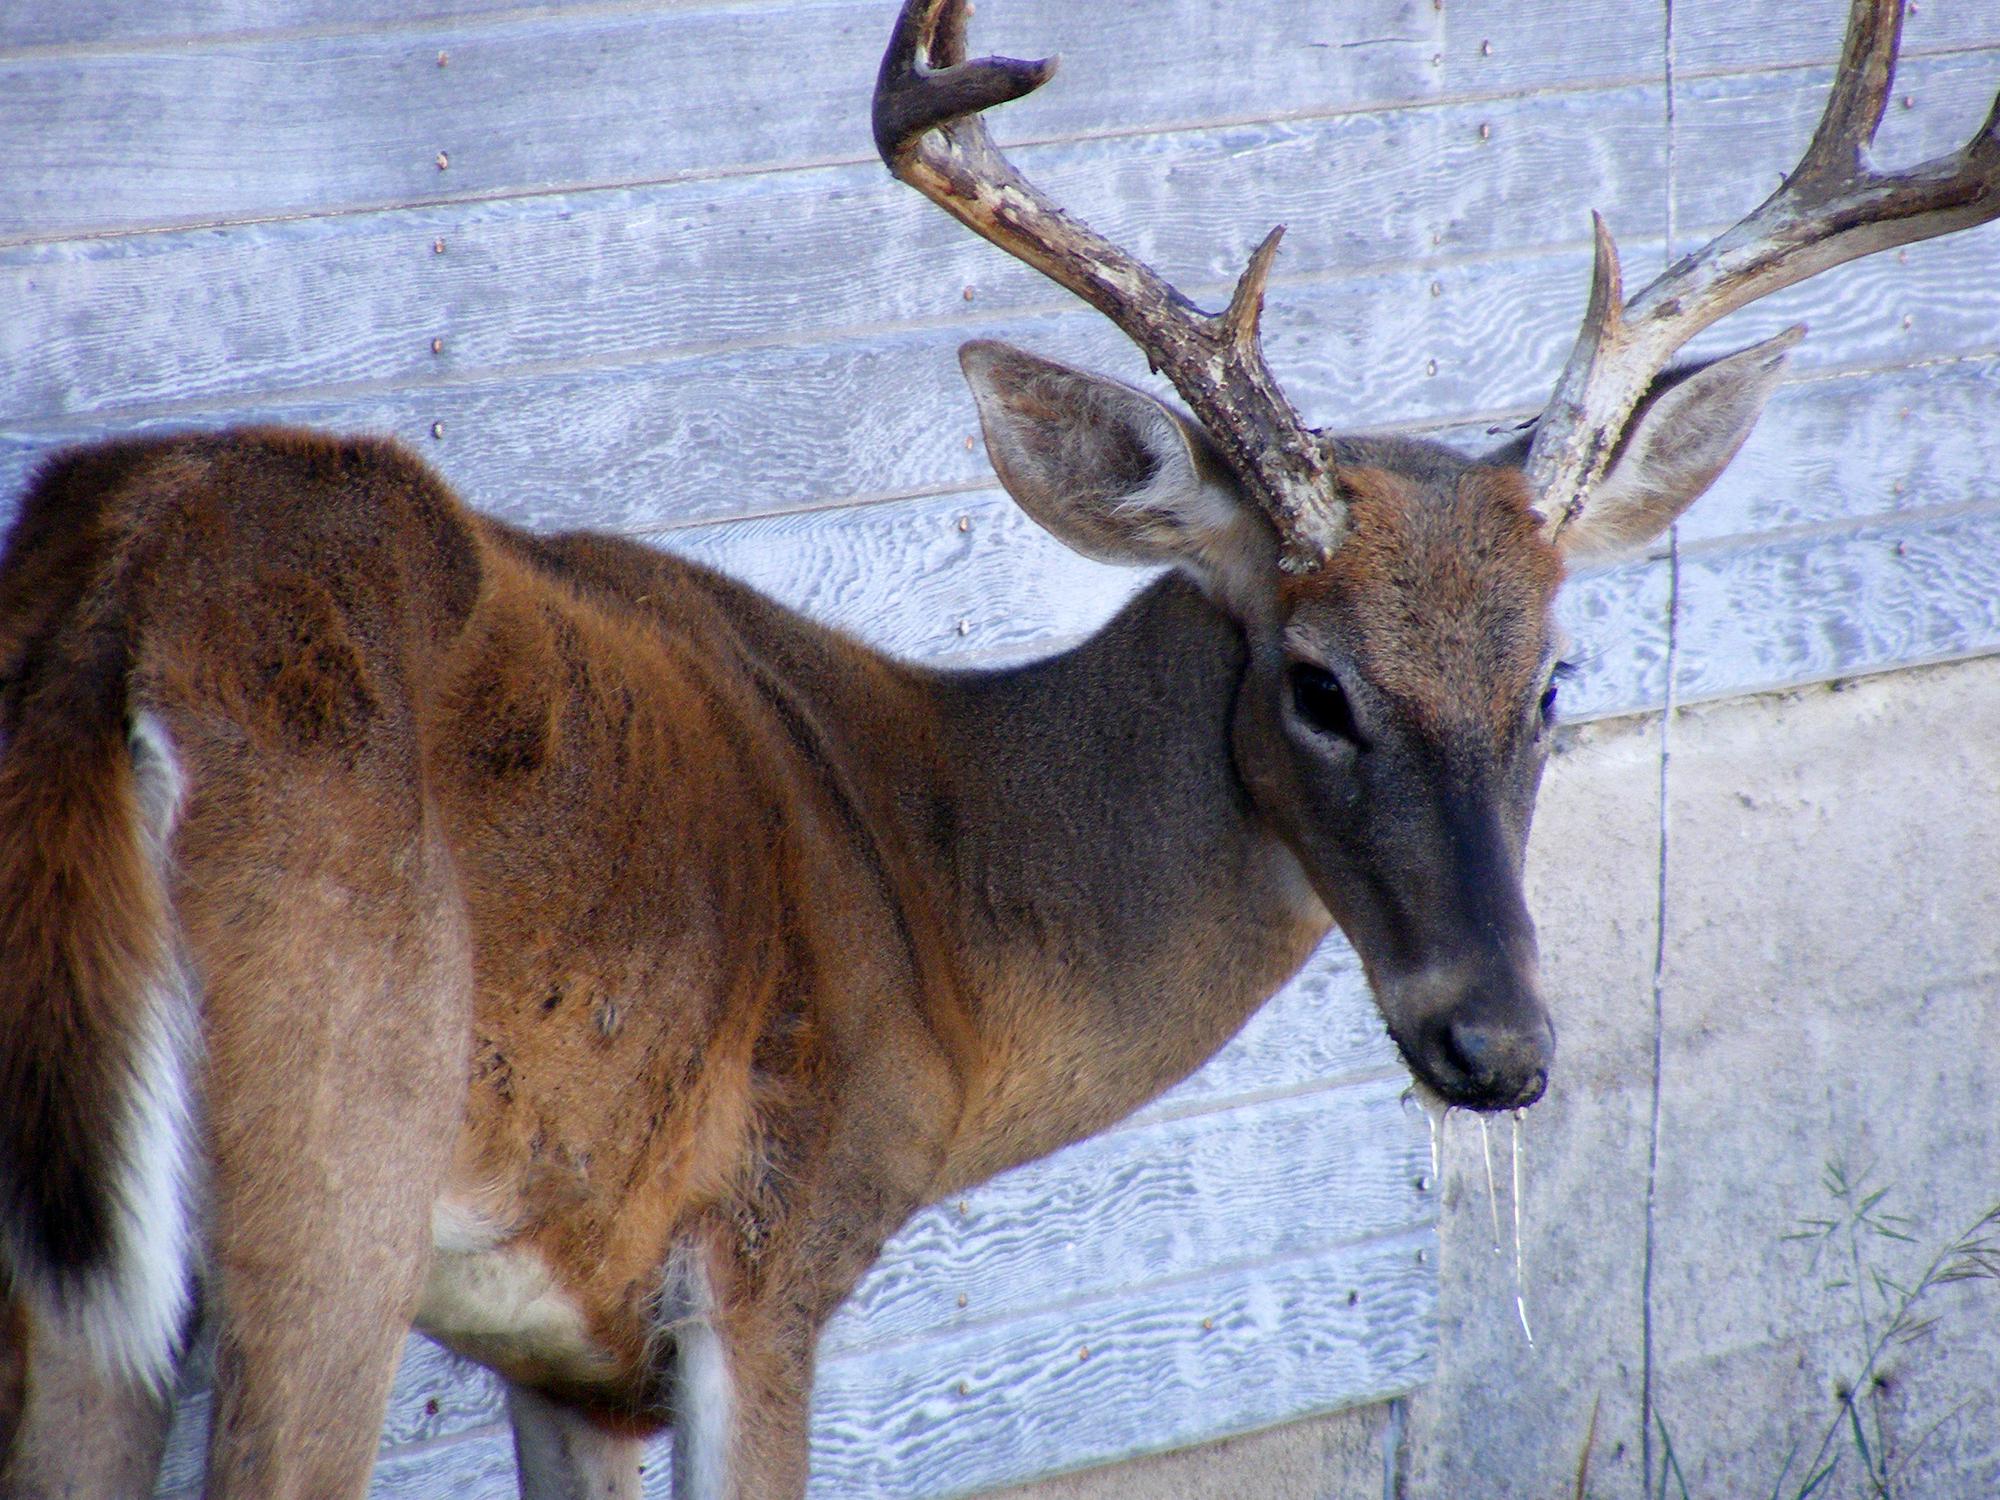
321, 122
104, 24
565, 280
1149, 1203
598, 98
1727, 36
1166, 1364
1902, 592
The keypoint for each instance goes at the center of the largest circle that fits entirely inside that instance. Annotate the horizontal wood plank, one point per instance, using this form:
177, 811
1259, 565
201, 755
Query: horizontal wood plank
564, 280
1165, 1366
288, 126
1712, 36
1907, 591
1852, 447
100, 25
530, 102
1147, 1204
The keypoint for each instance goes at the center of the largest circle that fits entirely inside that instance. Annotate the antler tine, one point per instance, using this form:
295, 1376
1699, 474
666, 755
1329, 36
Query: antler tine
1833, 207
927, 104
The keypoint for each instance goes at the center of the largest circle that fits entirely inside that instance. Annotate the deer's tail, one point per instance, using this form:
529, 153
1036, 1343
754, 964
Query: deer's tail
98, 1148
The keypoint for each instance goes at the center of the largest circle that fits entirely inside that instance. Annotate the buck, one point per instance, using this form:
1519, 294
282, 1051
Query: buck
559, 947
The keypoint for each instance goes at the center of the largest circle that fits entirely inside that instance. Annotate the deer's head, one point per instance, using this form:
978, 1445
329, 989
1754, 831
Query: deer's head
1395, 597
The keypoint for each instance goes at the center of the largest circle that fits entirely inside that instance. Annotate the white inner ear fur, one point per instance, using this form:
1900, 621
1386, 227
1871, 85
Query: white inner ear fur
1200, 522
1118, 475
1677, 445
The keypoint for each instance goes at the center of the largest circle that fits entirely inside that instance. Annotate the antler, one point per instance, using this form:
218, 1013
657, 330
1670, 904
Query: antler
1832, 208
927, 127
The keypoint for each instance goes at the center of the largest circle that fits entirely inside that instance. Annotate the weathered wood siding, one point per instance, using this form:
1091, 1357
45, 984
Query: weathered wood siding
632, 264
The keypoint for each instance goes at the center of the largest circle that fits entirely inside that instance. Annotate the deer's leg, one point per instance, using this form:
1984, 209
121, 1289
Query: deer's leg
75, 1430
338, 1002
742, 1393
563, 1455
742, 1413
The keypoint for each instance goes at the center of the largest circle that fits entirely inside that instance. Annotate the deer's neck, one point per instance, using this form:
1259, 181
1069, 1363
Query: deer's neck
1123, 908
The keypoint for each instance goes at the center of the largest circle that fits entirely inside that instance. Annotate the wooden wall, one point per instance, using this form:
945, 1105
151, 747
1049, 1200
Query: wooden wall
632, 264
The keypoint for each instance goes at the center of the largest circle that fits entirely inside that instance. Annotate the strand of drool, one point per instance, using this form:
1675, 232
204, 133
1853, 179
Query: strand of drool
1492, 1198
1520, 1278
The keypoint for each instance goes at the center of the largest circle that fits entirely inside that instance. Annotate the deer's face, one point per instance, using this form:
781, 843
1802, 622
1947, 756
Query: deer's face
1392, 727
1393, 717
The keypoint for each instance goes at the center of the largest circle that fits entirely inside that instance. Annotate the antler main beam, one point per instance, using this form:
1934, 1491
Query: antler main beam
1832, 208
927, 104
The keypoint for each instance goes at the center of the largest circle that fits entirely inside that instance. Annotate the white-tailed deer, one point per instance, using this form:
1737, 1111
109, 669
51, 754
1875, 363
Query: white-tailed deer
560, 948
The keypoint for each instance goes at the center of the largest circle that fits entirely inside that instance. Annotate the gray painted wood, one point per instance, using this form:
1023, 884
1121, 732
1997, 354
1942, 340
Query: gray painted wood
1273, 1177
99, 25
1902, 591
317, 122
1726, 36
638, 94
572, 280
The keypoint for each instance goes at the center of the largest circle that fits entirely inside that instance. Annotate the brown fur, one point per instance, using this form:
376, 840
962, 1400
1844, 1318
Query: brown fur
1447, 596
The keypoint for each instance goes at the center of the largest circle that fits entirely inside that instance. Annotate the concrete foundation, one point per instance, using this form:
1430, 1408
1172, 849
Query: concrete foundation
1827, 997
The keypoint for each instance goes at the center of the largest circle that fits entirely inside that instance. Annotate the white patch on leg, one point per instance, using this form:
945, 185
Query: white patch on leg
134, 1319
704, 1393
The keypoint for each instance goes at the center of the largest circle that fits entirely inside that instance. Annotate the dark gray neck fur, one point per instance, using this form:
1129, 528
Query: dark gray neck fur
1123, 908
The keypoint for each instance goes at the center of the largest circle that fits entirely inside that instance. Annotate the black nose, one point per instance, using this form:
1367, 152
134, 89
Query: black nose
1493, 1064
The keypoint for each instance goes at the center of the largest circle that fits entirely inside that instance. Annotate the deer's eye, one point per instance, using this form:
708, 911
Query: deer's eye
1321, 704
1561, 670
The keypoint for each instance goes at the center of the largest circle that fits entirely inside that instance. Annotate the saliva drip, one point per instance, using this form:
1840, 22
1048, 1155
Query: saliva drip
1436, 1119
1492, 1198
1520, 1276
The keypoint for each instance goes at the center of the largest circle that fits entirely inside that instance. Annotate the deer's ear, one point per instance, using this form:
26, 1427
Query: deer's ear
1116, 474
1676, 446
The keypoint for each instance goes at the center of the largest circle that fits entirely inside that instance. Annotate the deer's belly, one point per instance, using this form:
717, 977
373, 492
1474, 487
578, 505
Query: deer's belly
501, 1306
